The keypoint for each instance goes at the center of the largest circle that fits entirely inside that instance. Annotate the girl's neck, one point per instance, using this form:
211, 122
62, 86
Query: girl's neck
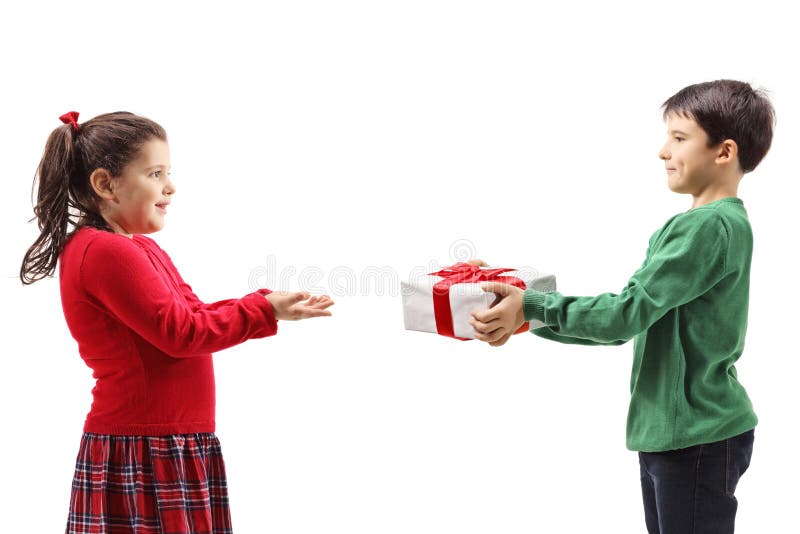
116, 228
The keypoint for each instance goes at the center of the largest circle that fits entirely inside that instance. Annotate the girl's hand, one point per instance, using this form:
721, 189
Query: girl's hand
289, 306
497, 324
477, 262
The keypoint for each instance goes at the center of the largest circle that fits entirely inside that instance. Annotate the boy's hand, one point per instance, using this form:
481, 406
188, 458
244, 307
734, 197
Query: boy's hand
478, 262
497, 324
289, 306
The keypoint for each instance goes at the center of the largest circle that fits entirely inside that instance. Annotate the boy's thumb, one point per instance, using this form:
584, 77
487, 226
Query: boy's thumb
498, 288
301, 296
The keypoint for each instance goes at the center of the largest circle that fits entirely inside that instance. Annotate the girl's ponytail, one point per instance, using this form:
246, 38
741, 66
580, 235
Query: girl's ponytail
59, 163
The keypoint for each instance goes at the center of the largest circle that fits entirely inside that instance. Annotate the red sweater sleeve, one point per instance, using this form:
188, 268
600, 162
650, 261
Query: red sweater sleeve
155, 303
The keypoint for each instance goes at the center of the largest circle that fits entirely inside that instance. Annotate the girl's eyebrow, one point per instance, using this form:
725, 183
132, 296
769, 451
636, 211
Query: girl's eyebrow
156, 167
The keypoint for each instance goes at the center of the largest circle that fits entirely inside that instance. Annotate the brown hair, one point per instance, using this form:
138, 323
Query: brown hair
729, 109
65, 200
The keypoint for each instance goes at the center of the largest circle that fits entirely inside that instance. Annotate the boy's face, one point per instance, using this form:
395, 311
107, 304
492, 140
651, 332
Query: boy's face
690, 162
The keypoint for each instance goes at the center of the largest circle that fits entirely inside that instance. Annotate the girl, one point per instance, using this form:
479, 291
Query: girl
149, 461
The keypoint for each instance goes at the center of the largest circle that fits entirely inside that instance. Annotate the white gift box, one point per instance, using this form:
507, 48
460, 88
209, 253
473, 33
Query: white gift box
464, 297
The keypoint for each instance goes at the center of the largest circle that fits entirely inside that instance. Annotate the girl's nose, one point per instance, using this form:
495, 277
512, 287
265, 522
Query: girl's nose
169, 187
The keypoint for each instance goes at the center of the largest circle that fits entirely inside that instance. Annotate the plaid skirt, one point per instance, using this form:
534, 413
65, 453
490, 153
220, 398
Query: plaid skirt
149, 485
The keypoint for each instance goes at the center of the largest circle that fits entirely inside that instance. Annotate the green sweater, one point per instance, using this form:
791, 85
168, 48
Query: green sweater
686, 310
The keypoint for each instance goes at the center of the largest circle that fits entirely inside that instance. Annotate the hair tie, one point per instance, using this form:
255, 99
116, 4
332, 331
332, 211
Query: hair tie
70, 117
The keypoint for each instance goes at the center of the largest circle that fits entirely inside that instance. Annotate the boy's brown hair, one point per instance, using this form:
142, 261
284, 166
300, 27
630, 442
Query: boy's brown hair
728, 109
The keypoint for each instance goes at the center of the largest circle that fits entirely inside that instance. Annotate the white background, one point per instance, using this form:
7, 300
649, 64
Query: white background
315, 139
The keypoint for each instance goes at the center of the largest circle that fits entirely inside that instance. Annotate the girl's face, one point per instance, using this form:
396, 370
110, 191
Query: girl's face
142, 192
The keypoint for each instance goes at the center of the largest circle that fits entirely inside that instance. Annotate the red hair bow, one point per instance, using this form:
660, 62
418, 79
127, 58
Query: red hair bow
70, 117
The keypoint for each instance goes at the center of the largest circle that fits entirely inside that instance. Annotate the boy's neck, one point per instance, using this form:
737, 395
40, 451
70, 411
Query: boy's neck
707, 197
711, 193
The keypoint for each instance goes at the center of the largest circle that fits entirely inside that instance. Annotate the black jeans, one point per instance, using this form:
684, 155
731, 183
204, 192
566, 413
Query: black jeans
690, 491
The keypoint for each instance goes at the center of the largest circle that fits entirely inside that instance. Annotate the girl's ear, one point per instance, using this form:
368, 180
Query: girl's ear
102, 184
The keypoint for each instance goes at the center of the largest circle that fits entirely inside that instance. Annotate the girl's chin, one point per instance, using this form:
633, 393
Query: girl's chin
152, 228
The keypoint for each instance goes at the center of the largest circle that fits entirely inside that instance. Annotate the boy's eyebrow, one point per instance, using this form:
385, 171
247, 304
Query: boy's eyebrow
677, 132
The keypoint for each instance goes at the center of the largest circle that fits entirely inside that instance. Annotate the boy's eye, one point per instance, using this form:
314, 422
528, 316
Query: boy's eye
679, 138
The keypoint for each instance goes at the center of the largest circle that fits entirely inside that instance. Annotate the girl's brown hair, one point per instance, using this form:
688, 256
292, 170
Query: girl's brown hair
65, 200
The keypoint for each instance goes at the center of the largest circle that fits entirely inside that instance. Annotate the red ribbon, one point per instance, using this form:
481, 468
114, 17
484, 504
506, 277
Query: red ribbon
464, 273
70, 117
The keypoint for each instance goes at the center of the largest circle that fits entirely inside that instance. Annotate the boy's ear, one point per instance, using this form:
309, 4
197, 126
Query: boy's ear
102, 184
728, 151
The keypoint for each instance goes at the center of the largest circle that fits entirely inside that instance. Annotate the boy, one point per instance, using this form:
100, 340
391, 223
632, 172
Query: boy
686, 309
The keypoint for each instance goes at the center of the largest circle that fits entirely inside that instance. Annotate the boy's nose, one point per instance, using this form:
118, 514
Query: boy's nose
663, 153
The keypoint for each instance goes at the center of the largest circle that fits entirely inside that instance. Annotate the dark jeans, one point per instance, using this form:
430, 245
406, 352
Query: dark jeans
690, 491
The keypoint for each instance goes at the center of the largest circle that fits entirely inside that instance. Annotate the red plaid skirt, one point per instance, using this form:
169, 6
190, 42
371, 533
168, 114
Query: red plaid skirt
149, 485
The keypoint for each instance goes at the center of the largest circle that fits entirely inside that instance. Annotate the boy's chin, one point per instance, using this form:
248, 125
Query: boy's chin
676, 187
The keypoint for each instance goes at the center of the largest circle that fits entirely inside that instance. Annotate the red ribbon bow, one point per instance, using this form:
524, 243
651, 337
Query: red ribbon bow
70, 117
464, 273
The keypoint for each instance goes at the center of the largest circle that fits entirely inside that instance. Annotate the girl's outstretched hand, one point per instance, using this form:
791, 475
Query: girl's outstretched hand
497, 324
290, 306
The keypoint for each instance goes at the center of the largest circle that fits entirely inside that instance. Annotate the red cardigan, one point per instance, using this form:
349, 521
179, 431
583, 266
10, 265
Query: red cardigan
146, 336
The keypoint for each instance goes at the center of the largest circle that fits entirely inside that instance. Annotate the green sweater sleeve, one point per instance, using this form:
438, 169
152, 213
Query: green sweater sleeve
687, 257
547, 332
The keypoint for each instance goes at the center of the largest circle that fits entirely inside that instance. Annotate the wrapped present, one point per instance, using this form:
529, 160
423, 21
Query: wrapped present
442, 302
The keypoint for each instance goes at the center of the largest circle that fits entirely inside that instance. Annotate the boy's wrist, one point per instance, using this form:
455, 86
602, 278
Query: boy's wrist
533, 305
